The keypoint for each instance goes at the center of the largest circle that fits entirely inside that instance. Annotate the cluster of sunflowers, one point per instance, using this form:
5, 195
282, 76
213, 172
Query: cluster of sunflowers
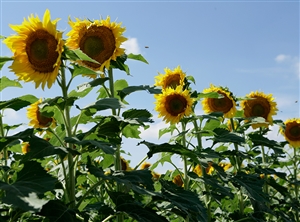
56, 172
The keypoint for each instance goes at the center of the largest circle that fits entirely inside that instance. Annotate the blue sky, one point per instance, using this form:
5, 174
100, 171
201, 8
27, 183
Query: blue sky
244, 45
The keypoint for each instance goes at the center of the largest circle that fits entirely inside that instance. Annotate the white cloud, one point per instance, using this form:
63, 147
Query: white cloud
131, 46
282, 58
290, 61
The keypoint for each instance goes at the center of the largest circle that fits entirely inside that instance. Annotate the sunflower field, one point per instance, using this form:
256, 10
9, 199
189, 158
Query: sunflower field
54, 171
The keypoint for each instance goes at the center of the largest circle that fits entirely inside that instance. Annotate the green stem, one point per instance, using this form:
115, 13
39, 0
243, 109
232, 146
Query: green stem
120, 217
137, 166
185, 164
296, 182
207, 198
71, 177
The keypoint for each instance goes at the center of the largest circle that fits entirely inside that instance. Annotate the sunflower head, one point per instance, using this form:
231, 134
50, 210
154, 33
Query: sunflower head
37, 49
37, 120
25, 147
99, 39
259, 105
145, 165
174, 104
291, 132
225, 105
171, 78
125, 165
178, 180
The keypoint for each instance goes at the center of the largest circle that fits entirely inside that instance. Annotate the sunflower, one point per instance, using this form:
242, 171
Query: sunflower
37, 50
259, 105
209, 170
25, 147
225, 166
125, 165
174, 104
171, 78
145, 165
178, 180
292, 132
99, 39
225, 105
37, 120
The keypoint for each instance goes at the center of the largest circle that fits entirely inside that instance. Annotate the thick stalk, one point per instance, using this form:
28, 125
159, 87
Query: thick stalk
297, 216
185, 164
199, 141
118, 166
71, 177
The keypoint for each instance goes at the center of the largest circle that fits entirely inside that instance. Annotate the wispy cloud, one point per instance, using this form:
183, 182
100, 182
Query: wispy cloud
131, 46
291, 62
285, 64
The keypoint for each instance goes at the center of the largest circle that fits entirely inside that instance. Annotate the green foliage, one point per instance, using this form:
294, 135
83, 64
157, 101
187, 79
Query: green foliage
72, 169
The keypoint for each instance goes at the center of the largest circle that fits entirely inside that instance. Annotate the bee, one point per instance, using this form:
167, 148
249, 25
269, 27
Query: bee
146, 47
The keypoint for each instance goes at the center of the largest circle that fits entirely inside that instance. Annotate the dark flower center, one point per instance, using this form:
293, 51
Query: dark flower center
175, 104
41, 51
220, 105
98, 42
43, 120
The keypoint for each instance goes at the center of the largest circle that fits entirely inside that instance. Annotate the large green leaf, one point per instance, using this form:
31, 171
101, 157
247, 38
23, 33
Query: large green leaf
32, 182
130, 89
172, 148
77, 54
24, 135
126, 203
85, 88
119, 63
18, 103
141, 115
3, 60
81, 70
225, 136
138, 57
6, 82
92, 144
260, 140
185, 200
56, 211
251, 185
106, 103
40, 148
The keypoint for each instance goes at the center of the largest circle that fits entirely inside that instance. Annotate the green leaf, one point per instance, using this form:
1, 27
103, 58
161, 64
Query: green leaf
18, 103
106, 147
213, 95
131, 131
4, 141
225, 136
81, 70
260, 140
56, 211
3, 60
2, 37
185, 200
251, 185
126, 203
138, 57
106, 103
32, 182
140, 115
120, 64
77, 54
40, 148
130, 89
6, 82
172, 148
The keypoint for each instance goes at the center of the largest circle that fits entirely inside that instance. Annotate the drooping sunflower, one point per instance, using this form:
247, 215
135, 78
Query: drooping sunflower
178, 180
171, 78
226, 104
173, 104
209, 170
259, 105
37, 50
99, 39
37, 120
292, 132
